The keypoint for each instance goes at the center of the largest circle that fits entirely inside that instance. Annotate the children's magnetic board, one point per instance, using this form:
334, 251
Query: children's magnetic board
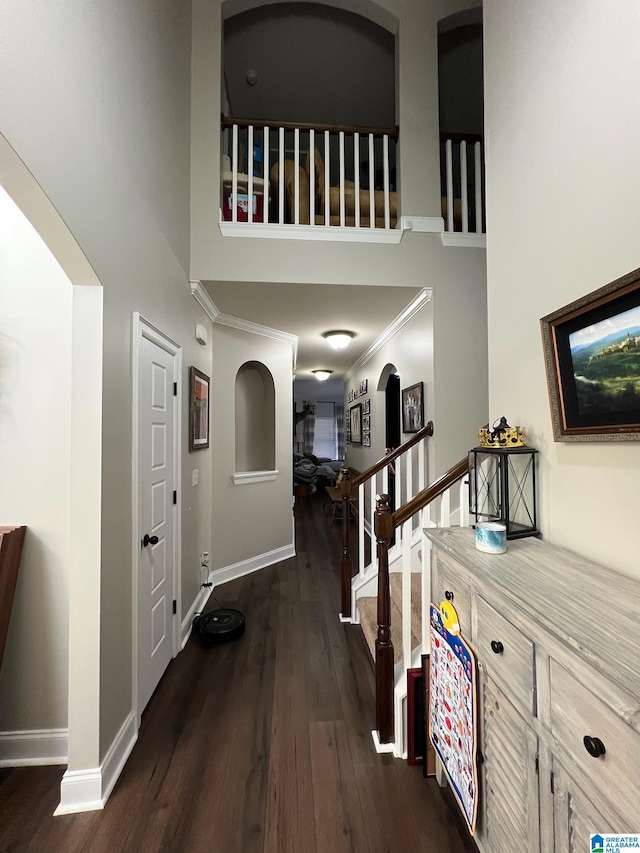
453, 708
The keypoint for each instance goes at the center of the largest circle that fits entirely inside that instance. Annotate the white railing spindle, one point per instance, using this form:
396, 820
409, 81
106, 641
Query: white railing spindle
361, 530
406, 593
356, 177
234, 173
422, 466
372, 180
342, 199
463, 515
312, 177
385, 167
265, 163
250, 172
477, 162
463, 187
327, 180
281, 176
449, 173
296, 175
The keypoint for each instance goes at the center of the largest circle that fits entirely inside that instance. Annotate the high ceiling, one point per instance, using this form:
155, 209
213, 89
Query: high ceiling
308, 310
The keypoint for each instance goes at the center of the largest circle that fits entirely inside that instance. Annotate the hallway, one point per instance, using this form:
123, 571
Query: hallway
263, 744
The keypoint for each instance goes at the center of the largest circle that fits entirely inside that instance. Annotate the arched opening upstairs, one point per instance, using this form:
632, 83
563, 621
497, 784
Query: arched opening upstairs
255, 410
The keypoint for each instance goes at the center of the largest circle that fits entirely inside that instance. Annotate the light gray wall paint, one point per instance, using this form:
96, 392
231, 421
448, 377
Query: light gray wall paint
255, 418
252, 519
314, 63
35, 460
563, 185
107, 136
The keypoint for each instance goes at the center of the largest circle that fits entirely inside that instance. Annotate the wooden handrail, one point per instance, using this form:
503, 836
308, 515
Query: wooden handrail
437, 488
387, 460
349, 130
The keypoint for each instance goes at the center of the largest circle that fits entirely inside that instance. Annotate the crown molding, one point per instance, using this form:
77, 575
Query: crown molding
206, 302
393, 328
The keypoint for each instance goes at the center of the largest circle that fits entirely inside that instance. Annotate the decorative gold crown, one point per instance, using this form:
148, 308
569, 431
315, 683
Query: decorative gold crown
502, 435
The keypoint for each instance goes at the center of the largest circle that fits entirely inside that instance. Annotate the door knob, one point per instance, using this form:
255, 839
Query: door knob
496, 647
594, 746
149, 540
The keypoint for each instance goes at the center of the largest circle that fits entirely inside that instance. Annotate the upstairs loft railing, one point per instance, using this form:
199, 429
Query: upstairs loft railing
302, 174
462, 179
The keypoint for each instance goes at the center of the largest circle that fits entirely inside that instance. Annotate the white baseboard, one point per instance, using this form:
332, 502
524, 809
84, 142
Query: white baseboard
238, 570
89, 790
196, 607
33, 747
381, 747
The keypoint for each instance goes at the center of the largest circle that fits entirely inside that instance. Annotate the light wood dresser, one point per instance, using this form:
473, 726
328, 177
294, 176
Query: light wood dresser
557, 639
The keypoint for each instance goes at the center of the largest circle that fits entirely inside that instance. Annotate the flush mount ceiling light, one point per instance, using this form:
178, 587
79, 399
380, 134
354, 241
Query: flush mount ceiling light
322, 375
338, 339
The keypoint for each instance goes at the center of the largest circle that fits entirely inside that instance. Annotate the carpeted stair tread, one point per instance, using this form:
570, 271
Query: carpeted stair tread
368, 609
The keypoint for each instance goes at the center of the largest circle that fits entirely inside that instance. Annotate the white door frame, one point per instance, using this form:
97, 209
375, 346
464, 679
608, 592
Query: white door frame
142, 328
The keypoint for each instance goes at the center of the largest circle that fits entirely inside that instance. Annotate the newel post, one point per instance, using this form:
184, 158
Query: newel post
384, 646
347, 569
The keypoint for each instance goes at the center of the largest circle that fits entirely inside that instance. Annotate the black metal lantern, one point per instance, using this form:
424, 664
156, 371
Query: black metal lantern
502, 482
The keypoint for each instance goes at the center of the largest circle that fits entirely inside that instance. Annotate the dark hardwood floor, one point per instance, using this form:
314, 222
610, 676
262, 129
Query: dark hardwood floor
263, 744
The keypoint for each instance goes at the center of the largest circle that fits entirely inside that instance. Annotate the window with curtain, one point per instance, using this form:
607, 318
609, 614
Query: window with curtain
325, 439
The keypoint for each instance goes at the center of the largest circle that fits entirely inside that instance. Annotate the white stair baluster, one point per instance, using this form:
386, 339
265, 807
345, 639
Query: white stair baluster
312, 177
250, 173
356, 176
327, 180
449, 173
463, 187
406, 594
281, 176
265, 176
385, 167
372, 181
342, 199
478, 185
234, 174
361, 529
296, 175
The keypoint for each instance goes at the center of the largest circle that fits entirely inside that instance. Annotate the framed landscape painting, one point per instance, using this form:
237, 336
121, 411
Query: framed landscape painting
592, 359
198, 409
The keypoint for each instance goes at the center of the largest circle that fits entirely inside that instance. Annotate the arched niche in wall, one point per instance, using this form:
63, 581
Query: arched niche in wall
255, 424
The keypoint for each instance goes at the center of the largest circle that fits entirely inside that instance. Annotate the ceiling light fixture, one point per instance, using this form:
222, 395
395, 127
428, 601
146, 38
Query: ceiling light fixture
322, 375
338, 339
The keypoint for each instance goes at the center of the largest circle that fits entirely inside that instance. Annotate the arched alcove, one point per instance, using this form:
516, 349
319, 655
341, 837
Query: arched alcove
255, 404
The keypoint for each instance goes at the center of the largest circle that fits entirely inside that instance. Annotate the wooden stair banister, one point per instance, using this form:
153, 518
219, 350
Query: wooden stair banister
349, 489
385, 523
384, 646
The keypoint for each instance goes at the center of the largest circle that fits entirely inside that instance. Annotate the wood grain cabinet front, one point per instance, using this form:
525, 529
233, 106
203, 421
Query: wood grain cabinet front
559, 691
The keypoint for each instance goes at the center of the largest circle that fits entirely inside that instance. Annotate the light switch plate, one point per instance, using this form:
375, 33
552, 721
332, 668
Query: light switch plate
194, 477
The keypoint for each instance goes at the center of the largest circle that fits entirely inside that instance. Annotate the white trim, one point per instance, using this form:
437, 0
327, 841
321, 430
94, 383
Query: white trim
80, 791
333, 233
421, 224
211, 309
348, 619
238, 570
117, 755
204, 300
412, 308
381, 747
143, 328
196, 607
241, 478
89, 790
470, 240
34, 746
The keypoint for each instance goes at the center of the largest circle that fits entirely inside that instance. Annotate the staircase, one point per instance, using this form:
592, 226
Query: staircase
389, 595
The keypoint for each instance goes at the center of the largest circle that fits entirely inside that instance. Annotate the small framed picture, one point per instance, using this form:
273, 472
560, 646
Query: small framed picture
366, 407
366, 423
366, 439
355, 416
413, 408
198, 409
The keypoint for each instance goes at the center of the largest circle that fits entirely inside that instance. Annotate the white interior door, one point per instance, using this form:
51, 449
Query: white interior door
157, 570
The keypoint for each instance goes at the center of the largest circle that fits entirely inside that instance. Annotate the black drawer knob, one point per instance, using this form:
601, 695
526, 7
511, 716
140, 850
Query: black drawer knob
594, 746
448, 595
496, 647
149, 540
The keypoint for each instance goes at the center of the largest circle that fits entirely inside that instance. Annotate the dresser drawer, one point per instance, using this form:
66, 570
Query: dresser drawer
446, 581
576, 713
507, 655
